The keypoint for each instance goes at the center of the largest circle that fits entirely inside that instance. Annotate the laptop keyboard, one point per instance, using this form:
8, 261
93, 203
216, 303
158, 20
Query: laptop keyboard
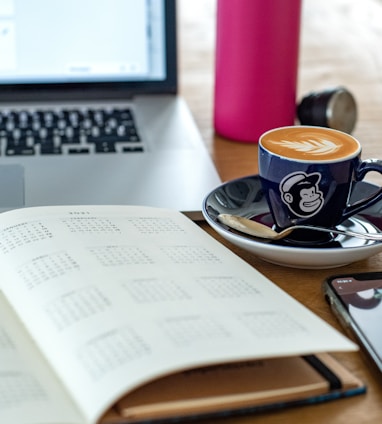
71, 131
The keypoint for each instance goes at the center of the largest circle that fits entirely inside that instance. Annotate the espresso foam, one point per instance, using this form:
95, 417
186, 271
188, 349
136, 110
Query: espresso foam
310, 143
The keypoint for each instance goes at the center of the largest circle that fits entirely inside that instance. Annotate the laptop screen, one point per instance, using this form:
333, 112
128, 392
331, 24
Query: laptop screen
106, 48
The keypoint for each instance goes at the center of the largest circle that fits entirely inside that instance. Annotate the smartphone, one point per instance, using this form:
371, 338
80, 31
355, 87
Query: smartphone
356, 300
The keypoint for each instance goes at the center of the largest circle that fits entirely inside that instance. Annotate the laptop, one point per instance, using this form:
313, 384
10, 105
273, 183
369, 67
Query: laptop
89, 110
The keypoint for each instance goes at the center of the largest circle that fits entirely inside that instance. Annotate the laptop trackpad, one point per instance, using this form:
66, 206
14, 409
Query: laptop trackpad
11, 186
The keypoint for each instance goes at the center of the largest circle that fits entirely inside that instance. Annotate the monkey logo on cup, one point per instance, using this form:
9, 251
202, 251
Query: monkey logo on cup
301, 193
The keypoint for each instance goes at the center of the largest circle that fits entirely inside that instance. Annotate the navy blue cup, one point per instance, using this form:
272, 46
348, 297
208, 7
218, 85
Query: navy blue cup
307, 174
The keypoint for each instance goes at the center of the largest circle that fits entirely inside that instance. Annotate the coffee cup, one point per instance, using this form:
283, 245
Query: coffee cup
307, 174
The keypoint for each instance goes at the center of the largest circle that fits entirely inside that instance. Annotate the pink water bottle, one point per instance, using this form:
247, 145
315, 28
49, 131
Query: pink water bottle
257, 45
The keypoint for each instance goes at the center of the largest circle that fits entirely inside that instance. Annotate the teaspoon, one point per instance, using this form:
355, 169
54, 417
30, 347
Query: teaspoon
259, 230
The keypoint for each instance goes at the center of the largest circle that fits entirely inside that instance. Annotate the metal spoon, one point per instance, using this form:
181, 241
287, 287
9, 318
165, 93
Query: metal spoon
256, 229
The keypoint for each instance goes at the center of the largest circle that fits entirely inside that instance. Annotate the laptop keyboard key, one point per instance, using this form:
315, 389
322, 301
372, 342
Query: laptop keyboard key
50, 147
18, 148
129, 149
78, 150
105, 147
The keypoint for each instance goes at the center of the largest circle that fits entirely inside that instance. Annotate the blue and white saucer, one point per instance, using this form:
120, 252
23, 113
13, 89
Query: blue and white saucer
245, 197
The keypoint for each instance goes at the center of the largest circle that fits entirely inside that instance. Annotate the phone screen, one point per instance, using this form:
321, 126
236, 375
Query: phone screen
360, 296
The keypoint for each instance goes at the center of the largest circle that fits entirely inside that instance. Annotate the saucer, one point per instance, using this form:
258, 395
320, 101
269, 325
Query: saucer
245, 197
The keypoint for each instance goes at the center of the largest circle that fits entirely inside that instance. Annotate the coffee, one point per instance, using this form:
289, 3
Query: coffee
310, 143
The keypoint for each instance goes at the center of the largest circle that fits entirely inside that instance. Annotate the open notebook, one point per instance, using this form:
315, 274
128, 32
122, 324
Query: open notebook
89, 111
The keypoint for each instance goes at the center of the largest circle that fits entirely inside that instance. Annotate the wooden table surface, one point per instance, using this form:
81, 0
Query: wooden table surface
341, 44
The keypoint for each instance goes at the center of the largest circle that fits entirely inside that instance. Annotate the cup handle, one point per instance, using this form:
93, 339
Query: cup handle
364, 167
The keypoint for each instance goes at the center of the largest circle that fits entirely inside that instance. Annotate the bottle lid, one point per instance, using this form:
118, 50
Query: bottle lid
334, 108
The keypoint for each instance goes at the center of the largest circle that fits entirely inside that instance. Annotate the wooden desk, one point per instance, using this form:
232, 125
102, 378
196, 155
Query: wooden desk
340, 45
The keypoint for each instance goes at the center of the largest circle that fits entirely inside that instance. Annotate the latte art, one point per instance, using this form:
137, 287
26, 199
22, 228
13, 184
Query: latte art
310, 143
313, 147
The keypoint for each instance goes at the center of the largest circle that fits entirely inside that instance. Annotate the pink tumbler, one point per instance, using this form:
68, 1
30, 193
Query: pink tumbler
257, 46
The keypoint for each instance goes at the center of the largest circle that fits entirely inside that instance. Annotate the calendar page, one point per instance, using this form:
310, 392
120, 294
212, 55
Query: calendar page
117, 296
